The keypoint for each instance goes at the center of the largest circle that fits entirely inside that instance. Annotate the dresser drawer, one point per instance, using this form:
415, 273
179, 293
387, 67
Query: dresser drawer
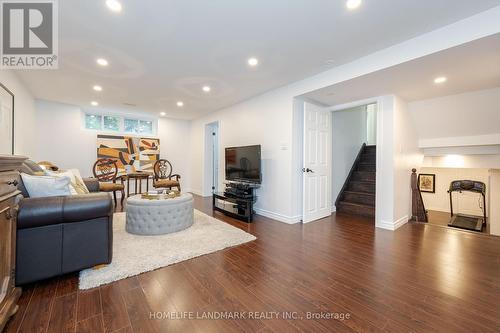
8, 182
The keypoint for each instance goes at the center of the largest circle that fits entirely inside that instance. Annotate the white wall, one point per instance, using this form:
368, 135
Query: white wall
463, 161
175, 142
62, 139
397, 154
24, 114
349, 132
297, 157
264, 120
463, 117
384, 194
371, 124
494, 207
407, 155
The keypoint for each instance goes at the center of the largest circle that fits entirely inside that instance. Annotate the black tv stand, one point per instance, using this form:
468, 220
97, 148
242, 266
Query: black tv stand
236, 201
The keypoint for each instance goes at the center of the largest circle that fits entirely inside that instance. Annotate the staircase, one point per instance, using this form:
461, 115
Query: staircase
358, 193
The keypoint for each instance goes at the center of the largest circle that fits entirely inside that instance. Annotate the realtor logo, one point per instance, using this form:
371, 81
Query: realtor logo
29, 34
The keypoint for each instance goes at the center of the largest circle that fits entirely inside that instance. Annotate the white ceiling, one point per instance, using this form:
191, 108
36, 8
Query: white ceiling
468, 67
164, 51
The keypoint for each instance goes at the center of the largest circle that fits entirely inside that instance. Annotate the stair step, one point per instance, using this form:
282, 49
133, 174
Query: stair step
359, 198
361, 186
363, 166
357, 209
363, 175
368, 159
370, 150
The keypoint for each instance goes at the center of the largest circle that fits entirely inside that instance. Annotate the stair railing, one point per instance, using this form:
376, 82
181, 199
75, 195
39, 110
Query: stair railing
349, 176
418, 212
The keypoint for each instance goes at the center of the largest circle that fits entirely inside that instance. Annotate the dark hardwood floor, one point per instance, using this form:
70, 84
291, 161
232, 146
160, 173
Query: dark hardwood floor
421, 278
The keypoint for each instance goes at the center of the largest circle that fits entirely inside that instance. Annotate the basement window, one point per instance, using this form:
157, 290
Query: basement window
146, 126
118, 124
111, 123
93, 121
138, 126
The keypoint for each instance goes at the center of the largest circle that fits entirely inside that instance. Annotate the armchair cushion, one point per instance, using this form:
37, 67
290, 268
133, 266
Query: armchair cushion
165, 183
36, 212
110, 187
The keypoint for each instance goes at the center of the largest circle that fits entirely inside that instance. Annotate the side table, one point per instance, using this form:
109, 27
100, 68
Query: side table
137, 177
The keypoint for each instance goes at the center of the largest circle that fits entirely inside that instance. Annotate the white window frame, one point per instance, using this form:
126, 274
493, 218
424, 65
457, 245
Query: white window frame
122, 118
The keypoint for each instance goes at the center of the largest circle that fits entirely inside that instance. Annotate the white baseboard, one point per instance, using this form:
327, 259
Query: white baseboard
457, 211
197, 192
392, 225
334, 209
401, 222
278, 217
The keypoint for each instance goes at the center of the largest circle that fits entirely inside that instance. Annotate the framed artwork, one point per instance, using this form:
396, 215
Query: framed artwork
6, 121
427, 182
131, 153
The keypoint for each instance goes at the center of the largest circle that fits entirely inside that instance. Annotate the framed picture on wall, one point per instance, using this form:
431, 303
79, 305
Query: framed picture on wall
427, 182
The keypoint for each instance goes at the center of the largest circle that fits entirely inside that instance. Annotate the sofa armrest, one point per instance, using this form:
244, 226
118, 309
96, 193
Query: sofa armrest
37, 212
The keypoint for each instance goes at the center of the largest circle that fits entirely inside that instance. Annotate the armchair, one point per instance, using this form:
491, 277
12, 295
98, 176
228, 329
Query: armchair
105, 171
163, 177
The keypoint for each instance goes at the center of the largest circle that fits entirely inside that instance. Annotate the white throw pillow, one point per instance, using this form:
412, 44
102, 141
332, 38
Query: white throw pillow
46, 186
64, 174
77, 184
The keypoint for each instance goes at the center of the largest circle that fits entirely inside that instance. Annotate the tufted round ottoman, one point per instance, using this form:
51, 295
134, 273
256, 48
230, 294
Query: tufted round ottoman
156, 217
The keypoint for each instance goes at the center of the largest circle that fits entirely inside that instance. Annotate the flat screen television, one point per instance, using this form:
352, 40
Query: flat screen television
243, 164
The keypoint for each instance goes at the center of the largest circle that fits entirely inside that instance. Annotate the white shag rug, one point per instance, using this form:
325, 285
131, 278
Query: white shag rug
134, 254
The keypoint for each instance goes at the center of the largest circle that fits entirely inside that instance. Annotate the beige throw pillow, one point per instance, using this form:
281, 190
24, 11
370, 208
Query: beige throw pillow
79, 183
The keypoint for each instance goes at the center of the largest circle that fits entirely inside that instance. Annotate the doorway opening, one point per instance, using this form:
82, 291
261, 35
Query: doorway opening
211, 170
339, 160
354, 139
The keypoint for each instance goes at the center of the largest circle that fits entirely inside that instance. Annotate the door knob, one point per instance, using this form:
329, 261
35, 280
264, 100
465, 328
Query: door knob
307, 170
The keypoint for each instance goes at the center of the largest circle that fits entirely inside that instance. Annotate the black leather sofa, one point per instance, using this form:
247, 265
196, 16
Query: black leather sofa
58, 235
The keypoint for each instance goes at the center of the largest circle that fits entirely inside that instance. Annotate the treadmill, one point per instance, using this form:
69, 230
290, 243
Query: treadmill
462, 221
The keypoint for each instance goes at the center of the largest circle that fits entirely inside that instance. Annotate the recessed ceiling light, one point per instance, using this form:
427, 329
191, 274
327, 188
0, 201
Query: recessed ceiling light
253, 61
441, 79
353, 4
163, 114
180, 104
102, 62
97, 88
114, 5
206, 88
94, 103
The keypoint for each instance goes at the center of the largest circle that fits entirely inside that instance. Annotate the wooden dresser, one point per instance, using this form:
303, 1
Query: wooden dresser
9, 197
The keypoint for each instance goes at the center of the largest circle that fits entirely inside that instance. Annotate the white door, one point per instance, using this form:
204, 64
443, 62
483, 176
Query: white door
317, 163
